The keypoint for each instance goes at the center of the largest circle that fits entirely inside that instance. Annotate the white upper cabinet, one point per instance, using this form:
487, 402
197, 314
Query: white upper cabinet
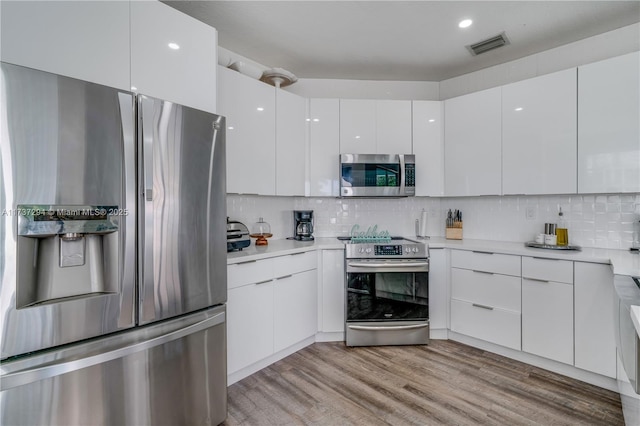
539, 135
608, 125
324, 147
375, 126
84, 40
428, 147
357, 126
291, 143
473, 144
185, 75
393, 127
249, 106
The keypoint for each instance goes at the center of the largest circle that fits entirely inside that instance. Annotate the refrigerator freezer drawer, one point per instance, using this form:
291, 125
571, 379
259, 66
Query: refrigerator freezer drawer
169, 373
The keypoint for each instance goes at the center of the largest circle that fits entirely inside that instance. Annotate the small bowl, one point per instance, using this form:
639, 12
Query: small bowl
246, 68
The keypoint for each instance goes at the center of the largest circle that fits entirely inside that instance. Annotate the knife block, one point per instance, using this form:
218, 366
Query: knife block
455, 232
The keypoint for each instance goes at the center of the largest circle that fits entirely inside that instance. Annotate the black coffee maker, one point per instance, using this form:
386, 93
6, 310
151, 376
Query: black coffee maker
303, 225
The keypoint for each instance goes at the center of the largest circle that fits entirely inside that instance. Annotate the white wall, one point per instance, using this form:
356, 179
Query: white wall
607, 45
366, 89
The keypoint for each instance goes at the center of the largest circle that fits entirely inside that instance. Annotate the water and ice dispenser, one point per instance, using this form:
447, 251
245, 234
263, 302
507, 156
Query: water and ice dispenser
66, 252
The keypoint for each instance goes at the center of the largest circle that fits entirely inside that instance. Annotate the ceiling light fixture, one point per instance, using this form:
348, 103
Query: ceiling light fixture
518, 109
174, 46
465, 23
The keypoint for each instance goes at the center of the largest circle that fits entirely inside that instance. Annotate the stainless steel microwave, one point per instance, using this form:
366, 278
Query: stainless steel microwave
377, 175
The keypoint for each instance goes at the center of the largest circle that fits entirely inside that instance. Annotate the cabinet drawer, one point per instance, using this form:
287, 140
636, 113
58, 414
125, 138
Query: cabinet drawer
253, 271
294, 263
493, 325
486, 261
547, 269
494, 290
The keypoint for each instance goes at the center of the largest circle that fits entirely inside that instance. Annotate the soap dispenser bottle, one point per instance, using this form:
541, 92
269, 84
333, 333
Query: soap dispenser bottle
561, 230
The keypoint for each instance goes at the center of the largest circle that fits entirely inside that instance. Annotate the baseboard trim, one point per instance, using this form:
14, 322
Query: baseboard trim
336, 336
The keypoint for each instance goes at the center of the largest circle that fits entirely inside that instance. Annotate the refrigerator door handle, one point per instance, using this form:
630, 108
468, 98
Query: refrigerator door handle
146, 126
24, 377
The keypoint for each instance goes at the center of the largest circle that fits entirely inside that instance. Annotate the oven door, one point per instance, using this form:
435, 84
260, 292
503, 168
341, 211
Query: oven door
387, 302
377, 175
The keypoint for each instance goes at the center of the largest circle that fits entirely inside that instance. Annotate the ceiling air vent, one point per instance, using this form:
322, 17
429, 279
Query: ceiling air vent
488, 44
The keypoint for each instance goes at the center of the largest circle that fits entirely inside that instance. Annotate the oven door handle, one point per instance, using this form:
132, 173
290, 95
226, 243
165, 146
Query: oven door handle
387, 327
374, 267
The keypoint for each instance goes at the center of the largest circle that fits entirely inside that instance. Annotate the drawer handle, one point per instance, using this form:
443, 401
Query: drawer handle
246, 261
284, 276
295, 254
263, 282
535, 279
482, 252
482, 272
482, 306
544, 258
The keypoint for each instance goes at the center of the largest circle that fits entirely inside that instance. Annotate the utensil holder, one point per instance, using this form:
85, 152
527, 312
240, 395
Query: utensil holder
455, 232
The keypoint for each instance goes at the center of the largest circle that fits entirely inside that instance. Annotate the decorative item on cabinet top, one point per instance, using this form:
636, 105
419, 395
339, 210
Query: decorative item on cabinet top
278, 77
247, 68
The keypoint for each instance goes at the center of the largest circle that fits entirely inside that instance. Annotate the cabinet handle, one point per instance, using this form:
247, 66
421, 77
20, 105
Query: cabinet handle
263, 282
482, 272
246, 261
482, 306
295, 254
284, 276
544, 258
481, 252
535, 279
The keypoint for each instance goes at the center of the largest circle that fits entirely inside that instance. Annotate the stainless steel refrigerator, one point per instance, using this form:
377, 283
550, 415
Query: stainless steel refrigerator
113, 256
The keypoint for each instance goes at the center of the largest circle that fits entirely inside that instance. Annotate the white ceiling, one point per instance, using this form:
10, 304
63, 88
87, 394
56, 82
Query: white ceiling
399, 40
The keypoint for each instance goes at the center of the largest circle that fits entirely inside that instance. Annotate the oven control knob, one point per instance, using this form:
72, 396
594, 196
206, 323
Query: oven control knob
415, 249
368, 250
361, 250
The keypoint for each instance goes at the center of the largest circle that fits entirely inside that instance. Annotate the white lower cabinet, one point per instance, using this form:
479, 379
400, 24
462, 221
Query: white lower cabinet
271, 305
547, 319
485, 300
438, 289
595, 343
295, 309
547, 308
249, 324
332, 292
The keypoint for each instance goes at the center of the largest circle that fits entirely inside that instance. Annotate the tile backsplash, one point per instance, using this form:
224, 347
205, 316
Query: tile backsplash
604, 221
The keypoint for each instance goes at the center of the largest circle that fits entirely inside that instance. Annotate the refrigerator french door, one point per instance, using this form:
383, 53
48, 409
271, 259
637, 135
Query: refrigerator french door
113, 266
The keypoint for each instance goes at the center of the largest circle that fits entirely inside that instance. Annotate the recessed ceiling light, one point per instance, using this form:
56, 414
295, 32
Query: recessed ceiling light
432, 120
315, 120
518, 109
465, 23
260, 109
174, 46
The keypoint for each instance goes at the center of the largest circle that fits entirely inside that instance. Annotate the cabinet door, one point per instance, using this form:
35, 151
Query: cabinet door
357, 126
473, 144
595, 344
186, 75
296, 309
547, 319
438, 289
393, 127
84, 40
291, 143
332, 292
608, 125
324, 147
539, 135
249, 106
428, 147
249, 325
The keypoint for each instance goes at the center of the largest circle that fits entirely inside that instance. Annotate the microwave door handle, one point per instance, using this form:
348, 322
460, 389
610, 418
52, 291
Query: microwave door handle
402, 174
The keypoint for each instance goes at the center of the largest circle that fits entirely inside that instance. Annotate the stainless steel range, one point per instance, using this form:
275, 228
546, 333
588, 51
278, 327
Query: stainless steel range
387, 286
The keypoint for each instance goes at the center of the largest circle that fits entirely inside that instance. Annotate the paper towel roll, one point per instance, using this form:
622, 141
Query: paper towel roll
423, 224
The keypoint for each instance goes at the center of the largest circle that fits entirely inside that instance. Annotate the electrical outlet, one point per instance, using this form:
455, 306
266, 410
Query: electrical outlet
530, 212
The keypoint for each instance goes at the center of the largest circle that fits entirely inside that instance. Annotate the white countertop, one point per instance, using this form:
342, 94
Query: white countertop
623, 262
281, 248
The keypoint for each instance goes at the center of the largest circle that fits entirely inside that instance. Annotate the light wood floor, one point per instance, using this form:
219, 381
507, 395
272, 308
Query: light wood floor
444, 382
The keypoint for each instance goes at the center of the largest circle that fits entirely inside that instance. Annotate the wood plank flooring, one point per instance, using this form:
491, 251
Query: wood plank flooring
444, 383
